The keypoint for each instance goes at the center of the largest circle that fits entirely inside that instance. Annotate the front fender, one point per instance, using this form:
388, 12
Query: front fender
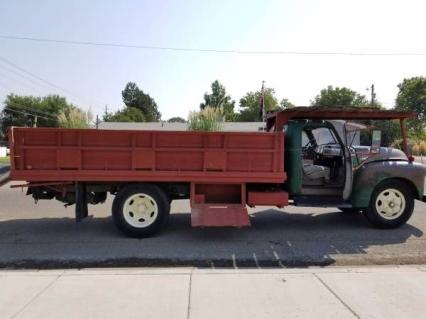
368, 176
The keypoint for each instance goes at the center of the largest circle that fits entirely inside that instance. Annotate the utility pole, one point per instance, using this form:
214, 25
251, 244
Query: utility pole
373, 95
97, 121
262, 102
35, 121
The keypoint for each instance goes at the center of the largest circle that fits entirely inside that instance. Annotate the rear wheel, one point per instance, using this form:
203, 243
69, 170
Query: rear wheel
391, 204
140, 210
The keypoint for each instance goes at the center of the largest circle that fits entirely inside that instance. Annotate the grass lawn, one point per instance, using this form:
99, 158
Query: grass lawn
4, 160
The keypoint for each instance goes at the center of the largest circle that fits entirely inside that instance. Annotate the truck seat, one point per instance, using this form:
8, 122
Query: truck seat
315, 172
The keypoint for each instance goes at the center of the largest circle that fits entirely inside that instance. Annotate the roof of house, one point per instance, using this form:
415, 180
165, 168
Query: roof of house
165, 126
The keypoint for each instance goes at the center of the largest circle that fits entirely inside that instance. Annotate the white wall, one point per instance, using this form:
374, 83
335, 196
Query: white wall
2, 151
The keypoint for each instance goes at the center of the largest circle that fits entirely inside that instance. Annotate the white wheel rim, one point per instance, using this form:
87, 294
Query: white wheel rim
140, 210
390, 204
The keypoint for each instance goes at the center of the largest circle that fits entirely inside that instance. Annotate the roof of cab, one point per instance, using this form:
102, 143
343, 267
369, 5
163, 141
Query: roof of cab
279, 118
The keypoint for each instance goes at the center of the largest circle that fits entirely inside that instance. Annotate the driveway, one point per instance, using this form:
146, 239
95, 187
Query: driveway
45, 235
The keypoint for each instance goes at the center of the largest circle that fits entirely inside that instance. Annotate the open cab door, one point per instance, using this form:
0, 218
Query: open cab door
354, 158
348, 159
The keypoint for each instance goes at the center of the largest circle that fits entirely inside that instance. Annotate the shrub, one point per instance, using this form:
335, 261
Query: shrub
208, 119
74, 117
415, 149
423, 148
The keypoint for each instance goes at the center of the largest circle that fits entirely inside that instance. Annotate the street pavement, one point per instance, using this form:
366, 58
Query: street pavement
332, 292
4, 173
44, 235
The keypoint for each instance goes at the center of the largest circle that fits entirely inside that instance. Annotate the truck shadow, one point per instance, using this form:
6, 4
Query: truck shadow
276, 239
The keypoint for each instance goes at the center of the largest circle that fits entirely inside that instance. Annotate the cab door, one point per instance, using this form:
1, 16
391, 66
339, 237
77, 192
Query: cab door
348, 162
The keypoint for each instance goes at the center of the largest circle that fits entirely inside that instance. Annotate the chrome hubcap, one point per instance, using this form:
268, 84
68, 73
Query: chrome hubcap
390, 204
140, 210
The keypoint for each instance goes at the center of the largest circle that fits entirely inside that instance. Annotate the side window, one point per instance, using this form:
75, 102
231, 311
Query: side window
305, 138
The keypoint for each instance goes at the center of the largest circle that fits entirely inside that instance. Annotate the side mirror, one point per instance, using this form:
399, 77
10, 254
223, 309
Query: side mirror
376, 141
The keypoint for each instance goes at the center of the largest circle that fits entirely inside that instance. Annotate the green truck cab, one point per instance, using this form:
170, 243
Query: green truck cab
327, 168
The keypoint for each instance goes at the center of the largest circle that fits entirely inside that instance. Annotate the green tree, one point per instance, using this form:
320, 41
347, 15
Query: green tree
176, 119
32, 111
136, 98
412, 97
339, 97
286, 104
250, 105
218, 98
128, 114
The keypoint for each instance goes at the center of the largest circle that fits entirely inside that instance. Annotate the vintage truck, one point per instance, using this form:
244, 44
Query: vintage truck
222, 172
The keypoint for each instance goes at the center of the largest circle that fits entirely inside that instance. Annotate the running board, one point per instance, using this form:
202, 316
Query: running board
320, 201
211, 215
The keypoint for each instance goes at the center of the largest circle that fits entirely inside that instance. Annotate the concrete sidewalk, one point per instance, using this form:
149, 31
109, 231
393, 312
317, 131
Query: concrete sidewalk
380, 292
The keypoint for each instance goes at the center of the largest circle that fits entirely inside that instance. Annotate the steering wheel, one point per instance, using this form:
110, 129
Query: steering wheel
309, 150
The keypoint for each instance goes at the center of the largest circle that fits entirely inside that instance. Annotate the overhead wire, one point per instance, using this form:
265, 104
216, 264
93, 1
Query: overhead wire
29, 80
209, 50
49, 83
30, 110
33, 75
26, 113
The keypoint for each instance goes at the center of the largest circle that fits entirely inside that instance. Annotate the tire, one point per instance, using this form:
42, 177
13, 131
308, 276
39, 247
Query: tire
391, 204
140, 210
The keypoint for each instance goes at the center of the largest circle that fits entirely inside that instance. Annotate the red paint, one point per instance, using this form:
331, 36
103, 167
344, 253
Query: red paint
276, 121
51, 154
219, 216
277, 198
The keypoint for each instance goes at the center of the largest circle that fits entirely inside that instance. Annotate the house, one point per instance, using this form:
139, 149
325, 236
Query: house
165, 126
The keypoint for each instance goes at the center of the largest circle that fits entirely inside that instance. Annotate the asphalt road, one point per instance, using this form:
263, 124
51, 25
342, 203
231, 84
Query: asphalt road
46, 236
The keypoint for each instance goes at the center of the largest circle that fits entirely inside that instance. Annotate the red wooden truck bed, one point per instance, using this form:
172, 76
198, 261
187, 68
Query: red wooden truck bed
50, 154
202, 160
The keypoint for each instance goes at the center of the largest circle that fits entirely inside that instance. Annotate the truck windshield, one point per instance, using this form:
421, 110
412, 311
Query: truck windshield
324, 136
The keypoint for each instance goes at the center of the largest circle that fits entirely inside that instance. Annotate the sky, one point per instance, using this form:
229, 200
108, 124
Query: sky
94, 76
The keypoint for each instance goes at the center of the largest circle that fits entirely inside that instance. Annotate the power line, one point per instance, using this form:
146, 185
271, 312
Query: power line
26, 110
185, 49
9, 78
25, 113
27, 78
33, 75
30, 110
38, 77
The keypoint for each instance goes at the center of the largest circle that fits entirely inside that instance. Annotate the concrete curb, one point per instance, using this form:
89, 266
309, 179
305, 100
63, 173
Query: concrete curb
298, 262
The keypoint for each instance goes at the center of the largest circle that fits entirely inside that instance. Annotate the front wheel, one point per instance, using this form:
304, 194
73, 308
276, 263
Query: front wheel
391, 204
140, 210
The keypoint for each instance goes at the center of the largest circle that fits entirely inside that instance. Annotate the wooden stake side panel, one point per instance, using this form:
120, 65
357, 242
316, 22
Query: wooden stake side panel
47, 154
